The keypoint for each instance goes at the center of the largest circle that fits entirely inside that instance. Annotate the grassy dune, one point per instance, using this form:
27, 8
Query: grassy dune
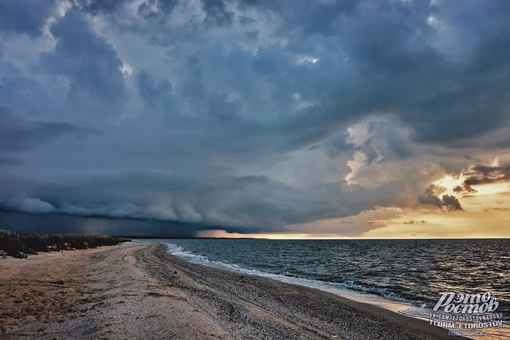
21, 245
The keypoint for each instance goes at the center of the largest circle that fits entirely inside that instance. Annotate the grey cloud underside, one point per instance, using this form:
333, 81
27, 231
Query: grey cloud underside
244, 113
446, 202
98, 6
481, 174
62, 224
90, 63
20, 135
24, 16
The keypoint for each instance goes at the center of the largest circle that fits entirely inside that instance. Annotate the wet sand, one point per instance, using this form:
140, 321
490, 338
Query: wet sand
139, 291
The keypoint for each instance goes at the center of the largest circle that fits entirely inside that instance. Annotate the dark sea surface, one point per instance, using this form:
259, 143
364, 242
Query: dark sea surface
412, 271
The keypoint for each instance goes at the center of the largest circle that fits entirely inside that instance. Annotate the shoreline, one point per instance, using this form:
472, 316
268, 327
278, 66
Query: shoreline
139, 290
368, 298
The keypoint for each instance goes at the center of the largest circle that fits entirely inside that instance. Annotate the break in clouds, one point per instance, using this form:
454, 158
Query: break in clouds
249, 115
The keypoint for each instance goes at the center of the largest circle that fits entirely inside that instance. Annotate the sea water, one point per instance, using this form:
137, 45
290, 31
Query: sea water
401, 275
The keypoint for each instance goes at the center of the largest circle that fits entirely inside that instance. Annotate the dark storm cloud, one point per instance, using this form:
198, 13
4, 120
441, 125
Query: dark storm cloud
484, 175
90, 63
154, 93
24, 16
65, 224
487, 174
229, 202
430, 198
193, 86
466, 106
18, 134
217, 14
312, 17
221, 203
400, 69
22, 92
247, 114
98, 6
384, 142
202, 102
451, 203
448, 202
337, 146
415, 222
8, 160
29, 205
464, 188
163, 8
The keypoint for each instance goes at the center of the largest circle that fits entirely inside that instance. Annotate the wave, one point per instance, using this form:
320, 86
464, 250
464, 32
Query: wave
348, 289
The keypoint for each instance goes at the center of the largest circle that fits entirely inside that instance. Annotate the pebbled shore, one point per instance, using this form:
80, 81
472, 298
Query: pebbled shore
139, 291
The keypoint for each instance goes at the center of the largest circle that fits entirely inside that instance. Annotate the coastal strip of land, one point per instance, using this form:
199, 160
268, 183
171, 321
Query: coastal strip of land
138, 290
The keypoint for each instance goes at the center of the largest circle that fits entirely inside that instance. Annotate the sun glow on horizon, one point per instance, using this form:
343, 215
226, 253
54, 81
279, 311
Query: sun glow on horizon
484, 214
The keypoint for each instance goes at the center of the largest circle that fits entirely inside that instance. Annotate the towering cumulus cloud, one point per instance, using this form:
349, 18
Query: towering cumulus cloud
326, 118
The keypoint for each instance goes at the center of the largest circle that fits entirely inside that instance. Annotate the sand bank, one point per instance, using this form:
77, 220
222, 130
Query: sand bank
139, 291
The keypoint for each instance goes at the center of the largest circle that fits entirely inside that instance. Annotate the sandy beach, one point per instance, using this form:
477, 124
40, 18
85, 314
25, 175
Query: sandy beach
139, 291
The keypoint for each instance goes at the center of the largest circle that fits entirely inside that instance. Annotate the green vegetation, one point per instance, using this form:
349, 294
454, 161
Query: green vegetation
20, 245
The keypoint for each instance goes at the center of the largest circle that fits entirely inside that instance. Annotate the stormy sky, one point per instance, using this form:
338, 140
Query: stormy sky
254, 116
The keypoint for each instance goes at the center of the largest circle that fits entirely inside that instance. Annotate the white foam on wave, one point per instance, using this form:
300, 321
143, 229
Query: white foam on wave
343, 289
